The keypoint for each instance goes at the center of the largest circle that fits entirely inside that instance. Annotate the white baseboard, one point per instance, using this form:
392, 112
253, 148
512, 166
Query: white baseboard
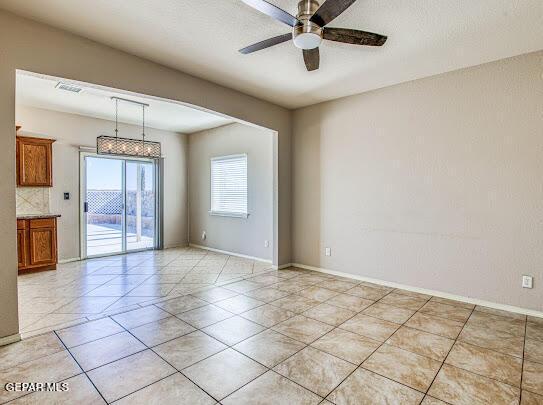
258, 259
73, 259
10, 339
282, 266
440, 294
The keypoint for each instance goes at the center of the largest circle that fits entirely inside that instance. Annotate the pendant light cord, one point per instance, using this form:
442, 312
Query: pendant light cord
116, 118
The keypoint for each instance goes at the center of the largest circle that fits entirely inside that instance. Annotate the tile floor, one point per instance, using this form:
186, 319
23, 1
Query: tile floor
257, 335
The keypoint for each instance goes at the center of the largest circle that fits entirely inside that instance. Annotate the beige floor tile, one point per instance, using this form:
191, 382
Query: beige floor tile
364, 387
233, 330
53, 368
423, 343
413, 294
370, 327
29, 349
490, 339
89, 331
45, 305
535, 320
268, 315
242, 286
266, 294
461, 387
215, 294
129, 279
181, 304
175, 389
269, 347
141, 316
187, 350
204, 316
315, 370
446, 311
403, 301
486, 362
452, 302
351, 302
105, 350
304, 329
432, 401
292, 285
113, 290
389, 313
224, 372
402, 366
483, 320
499, 312
346, 345
338, 285
380, 287
532, 377
533, 350
317, 293
329, 314
437, 326
151, 290
296, 303
534, 332
272, 389
239, 304
80, 391
129, 374
155, 333
529, 398
87, 305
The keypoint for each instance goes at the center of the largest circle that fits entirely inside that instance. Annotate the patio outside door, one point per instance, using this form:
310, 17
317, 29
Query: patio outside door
119, 204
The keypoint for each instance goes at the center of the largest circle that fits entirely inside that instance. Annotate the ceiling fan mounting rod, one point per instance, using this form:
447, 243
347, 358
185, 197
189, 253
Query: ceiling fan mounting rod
307, 34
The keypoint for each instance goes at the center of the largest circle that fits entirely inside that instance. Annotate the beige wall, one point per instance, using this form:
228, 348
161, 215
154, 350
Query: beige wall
72, 131
435, 183
35, 47
239, 235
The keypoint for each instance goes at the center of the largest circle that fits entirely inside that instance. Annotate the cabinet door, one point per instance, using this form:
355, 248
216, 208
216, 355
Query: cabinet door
34, 162
21, 247
43, 246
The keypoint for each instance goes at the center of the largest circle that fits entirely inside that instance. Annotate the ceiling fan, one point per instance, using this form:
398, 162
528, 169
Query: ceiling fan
308, 28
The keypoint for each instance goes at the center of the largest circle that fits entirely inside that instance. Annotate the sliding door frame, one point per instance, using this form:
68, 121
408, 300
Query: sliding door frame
158, 189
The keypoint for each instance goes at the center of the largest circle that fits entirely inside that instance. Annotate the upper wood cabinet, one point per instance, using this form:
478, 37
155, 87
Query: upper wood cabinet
34, 162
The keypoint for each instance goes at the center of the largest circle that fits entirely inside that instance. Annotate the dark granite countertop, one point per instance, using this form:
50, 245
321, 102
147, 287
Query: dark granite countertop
37, 216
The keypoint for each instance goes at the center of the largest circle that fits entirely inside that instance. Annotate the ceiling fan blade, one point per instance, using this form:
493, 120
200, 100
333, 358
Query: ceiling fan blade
330, 10
273, 11
355, 37
312, 59
266, 43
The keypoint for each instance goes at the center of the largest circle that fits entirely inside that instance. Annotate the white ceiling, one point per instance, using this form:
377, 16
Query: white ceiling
201, 37
40, 91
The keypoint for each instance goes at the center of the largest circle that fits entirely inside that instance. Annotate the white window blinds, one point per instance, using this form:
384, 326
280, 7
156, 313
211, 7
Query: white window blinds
229, 185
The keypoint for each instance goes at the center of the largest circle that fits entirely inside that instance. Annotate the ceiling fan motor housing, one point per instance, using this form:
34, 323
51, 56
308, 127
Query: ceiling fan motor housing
307, 35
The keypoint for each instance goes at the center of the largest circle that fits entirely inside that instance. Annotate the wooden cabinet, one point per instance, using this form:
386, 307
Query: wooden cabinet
34, 162
37, 244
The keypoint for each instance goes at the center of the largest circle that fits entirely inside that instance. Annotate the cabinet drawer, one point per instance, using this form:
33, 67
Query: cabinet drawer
42, 223
21, 224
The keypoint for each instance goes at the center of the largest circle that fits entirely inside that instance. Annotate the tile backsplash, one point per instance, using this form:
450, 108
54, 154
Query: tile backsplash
32, 200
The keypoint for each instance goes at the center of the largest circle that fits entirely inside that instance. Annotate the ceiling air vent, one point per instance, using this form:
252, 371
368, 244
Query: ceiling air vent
68, 87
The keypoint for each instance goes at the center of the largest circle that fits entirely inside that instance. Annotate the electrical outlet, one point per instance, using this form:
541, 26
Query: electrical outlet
327, 251
527, 282
266, 243
204, 235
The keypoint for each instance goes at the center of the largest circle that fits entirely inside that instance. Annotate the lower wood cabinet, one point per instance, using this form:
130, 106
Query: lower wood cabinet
37, 244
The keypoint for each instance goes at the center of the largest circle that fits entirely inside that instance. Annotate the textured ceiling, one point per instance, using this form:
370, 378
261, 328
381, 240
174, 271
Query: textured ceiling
93, 101
201, 37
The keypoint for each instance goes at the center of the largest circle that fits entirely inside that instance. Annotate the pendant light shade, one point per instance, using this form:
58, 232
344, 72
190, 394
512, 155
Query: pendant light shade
114, 145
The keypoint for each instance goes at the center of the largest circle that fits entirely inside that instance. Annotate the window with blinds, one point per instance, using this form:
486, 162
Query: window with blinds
229, 186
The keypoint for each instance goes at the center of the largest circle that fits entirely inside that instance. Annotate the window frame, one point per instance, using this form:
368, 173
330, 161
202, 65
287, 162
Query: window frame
227, 213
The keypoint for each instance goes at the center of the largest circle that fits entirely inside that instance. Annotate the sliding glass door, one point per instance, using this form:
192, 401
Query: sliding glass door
119, 201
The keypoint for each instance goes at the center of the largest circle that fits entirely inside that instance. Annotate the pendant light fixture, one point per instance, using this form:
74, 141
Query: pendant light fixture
113, 145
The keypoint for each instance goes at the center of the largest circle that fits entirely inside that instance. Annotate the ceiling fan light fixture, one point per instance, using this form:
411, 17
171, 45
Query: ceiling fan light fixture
307, 40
